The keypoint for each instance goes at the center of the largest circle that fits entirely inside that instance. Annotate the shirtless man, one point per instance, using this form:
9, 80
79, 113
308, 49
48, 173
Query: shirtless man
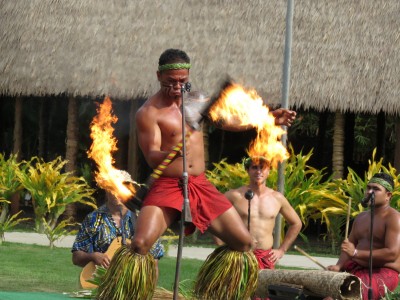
159, 129
354, 257
265, 205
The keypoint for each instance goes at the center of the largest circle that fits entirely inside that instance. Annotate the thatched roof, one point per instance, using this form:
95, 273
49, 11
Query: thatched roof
345, 53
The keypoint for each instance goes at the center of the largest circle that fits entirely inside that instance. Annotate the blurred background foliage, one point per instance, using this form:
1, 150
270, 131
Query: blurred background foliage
313, 194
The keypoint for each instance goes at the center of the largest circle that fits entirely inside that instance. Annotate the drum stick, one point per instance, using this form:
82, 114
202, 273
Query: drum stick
308, 256
348, 219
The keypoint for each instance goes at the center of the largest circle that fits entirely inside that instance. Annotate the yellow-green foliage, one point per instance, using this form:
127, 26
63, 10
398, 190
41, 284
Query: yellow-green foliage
353, 186
9, 223
9, 183
52, 190
58, 232
226, 176
310, 191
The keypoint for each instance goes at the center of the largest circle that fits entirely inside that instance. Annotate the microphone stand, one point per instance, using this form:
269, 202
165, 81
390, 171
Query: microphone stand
372, 205
249, 196
185, 215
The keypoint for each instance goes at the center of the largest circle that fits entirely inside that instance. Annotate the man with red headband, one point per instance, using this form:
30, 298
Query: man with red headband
159, 130
355, 252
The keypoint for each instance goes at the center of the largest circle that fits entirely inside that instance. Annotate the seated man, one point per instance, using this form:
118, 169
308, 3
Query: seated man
98, 230
355, 251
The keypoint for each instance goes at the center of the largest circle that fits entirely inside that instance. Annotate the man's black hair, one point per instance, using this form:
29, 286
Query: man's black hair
385, 177
173, 56
257, 160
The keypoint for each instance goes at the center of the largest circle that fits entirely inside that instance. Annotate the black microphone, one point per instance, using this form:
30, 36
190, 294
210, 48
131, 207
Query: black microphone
186, 87
367, 199
249, 194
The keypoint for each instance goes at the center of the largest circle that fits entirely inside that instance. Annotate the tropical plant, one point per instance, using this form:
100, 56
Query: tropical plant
226, 176
313, 194
304, 185
9, 223
53, 190
58, 232
9, 183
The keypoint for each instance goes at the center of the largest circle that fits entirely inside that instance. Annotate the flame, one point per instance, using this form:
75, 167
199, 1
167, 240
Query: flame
241, 107
103, 146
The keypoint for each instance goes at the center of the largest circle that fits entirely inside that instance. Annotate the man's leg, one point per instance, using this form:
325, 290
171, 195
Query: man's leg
150, 225
230, 228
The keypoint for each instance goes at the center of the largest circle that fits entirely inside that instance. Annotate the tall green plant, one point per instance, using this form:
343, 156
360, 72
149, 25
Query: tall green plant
9, 223
53, 190
9, 183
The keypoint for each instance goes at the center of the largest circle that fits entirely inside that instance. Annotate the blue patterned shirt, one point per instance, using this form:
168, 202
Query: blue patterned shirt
98, 230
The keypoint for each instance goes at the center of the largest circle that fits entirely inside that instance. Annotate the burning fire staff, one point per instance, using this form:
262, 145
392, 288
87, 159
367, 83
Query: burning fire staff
159, 129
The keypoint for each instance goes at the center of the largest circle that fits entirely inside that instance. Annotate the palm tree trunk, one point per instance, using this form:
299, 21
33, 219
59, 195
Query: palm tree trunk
42, 130
349, 140
17, 147
338, 145
380, 135
72, 148
320, 147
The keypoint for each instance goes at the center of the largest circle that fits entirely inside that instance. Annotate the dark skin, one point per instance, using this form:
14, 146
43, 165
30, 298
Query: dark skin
386, 237
159, 128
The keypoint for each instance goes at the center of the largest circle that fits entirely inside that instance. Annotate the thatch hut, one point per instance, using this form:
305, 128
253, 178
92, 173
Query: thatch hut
345, 54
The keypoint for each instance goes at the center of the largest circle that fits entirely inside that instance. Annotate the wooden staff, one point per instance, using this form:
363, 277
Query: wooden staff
308, 256
348, 219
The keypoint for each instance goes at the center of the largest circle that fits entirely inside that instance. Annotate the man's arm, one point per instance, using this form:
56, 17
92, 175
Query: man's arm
82, 258
347, 251
282, 116
294, 225
149, 137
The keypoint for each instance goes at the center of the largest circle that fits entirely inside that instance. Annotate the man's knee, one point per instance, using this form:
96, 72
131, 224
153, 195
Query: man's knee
246, 246
243, 245
140, 245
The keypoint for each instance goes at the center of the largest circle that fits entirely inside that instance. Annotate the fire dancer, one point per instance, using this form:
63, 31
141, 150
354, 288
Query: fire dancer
159, 130
355, 251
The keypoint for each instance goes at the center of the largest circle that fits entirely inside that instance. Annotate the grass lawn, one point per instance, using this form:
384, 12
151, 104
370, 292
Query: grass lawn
33, 268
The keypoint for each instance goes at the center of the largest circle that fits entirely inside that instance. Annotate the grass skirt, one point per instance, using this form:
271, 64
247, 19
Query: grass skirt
227, 274
129, 276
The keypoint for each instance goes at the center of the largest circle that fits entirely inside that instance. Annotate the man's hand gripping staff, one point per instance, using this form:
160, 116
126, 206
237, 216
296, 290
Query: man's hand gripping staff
135, 203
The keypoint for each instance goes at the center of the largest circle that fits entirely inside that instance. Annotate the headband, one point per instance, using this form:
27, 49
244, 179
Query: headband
382, 182
175, 66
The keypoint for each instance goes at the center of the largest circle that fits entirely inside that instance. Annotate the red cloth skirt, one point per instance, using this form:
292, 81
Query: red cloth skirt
206, 202
380, 277
262, 258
